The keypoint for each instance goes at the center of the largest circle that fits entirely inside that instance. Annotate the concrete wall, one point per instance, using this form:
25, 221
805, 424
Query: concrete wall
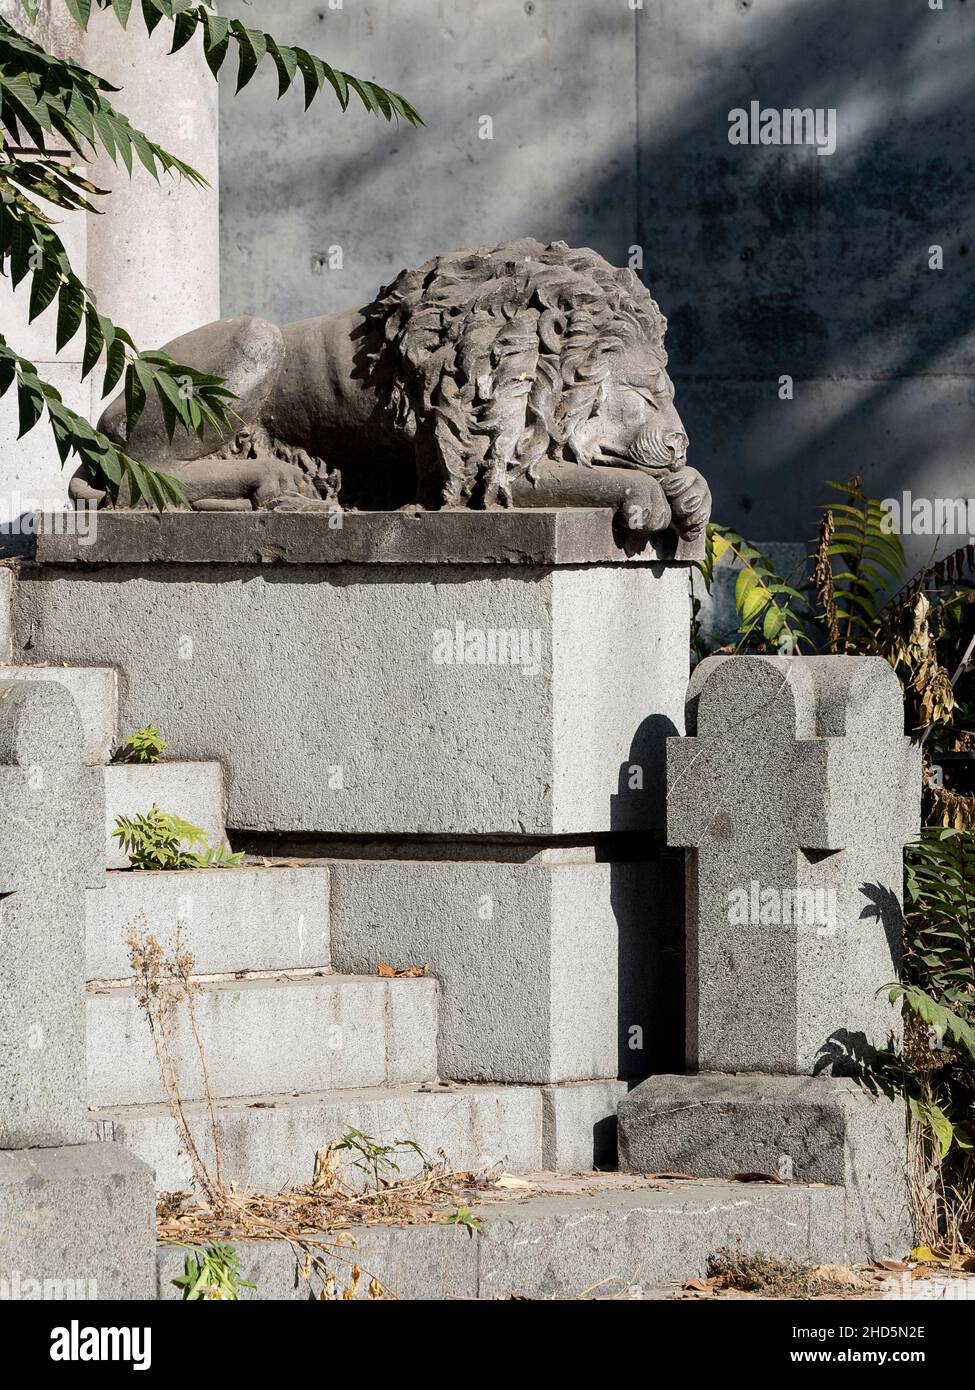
610, 127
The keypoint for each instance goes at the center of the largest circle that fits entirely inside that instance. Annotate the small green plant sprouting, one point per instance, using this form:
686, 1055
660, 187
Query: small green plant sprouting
212, 1273
463, 1216
145, 745
770, 611
377, 1160
160, 840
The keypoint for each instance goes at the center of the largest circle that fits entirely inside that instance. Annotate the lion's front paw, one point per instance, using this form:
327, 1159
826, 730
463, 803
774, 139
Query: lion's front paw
645, 508
690, 502
282, 480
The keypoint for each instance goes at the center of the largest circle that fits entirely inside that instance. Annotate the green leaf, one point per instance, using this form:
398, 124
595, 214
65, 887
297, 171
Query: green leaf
943, 1129
152, 12
30, 406
146, 152
44, 286
138, 382
364, 94
463, 1216
286, 62
252, 46
71, 310
184, 29
115, 366
94, 340
79, 10
8, 373
216, 41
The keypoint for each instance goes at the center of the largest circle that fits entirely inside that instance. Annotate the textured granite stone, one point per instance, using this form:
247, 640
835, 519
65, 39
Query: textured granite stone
570, 536
76, 1222
50, 852
796, 791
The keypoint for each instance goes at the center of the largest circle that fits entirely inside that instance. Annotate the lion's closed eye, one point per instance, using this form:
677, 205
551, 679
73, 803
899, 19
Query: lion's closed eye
647, 394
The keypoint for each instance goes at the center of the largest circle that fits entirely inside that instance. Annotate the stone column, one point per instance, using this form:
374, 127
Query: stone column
154, 254
31, 475
794, 794
151, 257
69, 1210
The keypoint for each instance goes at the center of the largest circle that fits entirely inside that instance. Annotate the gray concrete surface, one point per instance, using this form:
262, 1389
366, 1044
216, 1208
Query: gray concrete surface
798, 1128
151, 258
521, 536
269, 1141
795, 889
579, 1127
95, 693
153, 255
6, 597
550, 971
50, 832
610, 129
313, 1032
567, 740
562, 1245
31, 473
231, 919
194, 791
76, 1219
76, 1223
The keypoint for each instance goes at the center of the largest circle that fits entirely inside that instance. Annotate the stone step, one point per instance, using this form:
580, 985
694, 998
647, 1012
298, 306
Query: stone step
192, 790
231, 920
94, 690
286, 1033
269, 1141
598, 1235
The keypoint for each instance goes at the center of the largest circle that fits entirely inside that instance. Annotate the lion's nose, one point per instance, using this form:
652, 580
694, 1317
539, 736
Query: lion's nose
676, 441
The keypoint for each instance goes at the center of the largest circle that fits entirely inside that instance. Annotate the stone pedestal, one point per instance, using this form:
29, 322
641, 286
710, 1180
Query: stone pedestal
795, 792
464, 713
374, 674
554, 966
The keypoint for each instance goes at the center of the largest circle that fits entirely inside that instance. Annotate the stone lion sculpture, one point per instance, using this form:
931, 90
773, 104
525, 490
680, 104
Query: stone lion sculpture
517, 375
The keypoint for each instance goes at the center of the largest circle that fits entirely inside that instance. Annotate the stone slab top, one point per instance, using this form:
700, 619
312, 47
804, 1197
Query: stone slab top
542, 537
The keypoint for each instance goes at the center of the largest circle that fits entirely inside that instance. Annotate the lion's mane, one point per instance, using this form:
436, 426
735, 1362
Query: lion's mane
493, 359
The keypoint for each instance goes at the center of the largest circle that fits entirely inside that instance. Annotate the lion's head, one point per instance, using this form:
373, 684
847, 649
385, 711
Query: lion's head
497, 358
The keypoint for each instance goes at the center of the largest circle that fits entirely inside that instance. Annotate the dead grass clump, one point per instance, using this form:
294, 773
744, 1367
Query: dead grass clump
750, 1271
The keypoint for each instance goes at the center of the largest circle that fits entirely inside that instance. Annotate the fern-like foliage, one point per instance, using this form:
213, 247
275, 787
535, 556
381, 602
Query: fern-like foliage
940, 907
772, 615
47, 102
859, 560
936, 1071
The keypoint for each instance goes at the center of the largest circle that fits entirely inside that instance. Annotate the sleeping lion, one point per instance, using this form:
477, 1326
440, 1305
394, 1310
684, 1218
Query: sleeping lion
517, 375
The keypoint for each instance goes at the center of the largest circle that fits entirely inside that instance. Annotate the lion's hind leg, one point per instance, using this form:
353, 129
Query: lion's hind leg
248, 354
